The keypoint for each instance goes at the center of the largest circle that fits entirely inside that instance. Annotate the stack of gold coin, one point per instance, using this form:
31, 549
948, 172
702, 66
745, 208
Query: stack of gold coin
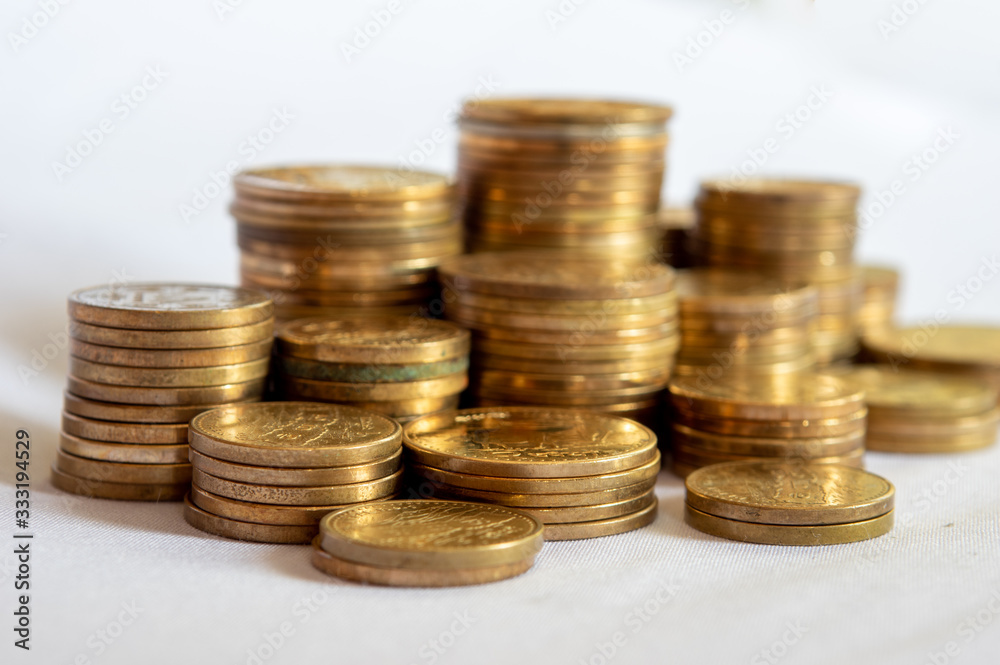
801, 416
972, 351
403, 367
268, 472
562, 174
344, 240
924, 412
582, 474
427, 543
789, 503
145, 359
799, 231
878, 306
741, 323
676, 225
555, 330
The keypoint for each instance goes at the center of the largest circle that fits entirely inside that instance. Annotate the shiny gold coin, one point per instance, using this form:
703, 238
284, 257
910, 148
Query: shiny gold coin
154, 474
408, 408
114, 432
897, 443
430, 534
572, 340
338, 391
373, 277
571, 514
103, 489
783, 534
530, 502
917, 425
529, 442
260, 513
711, 290
695, 459
768, 492
309, 298
391, 251
774, 429
292, 312
412, 224
560, 398
319, 370
294, 434
168, 306
168, 378
319, 272
504, 380
560, 367
238, 530
605, 527
632, 410
757, 194
795, 398
593, 228
607, 307
145, 453
523, 110
709, 443
184, 398
537, 150
294, 477
170, 358
337, 183
485, 318
775, 371
132, 413
731, 324
581, 353
284, 495
173, 339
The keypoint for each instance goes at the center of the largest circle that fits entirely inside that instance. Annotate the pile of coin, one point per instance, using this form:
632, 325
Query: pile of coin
878, 302
924, 412
427, 543
568, 174
344, 240
268, 472
799, 231
582, 474
555, 330
741, 323
145, 359
403, 367
675, 232
783, 503
801, 416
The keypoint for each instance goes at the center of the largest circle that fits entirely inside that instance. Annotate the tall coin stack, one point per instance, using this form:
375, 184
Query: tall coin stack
550, 329
582, 474
796, 231
403, 367
145, 359
344, 241
878, 307
801, 416
562, 174
269, 472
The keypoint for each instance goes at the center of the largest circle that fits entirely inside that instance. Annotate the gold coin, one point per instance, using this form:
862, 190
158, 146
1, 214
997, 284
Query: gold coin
756, 193
528, 442
632, 410
173, 339
917, 425
154, 474
697, 458
374, 277
294, 434
143, 453
336, 183
375, 251
783, 534
505, 380
168, 378
536, 150
406, 408
709, 443
312, 298
260, 513
581, 353
317, 212
430, 534
606, 307
776, 492
572, 340
284, 495
293, 477
169, 306
183, 398
560, 398
774, 429
257, 533
885, 442
571, 514
776, 371
100, 430
324, 272
530, 502
485, 318
132, 413
103, 489
556, 366
605, 527
340, 391
292, 312
595, 111
384, 341
319, 370
592, 483
170, 358
794, 398
712, 290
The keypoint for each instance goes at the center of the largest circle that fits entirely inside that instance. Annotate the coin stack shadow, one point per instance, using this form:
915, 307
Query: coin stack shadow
268, 472
561, 174
675, 226
344, 241
803, 416
799, 231
878, 306
402, 367
145, 359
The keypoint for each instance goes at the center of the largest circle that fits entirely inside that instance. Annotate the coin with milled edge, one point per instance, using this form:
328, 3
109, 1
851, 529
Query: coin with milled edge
784, 534
258, 533
293, 477
284, 495
103, 489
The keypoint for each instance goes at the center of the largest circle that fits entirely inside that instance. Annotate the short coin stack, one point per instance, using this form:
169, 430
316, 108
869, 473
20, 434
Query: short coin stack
878, 307
555, 330
268, 472
924, 412
801, 416
145, 359
782, 503
582, 474
344, 240
798, 231
427, 543
739, 323
562, 174
403, 367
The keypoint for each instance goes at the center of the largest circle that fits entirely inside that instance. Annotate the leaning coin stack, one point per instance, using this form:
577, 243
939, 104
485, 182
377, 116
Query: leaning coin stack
878, 306
801, 416
344, 240
924, 412
675, 231
555, 330
145, 359
562, 174
799, 231
403, 367
742, 323
427, 543
782, 503
582, 474
268, 472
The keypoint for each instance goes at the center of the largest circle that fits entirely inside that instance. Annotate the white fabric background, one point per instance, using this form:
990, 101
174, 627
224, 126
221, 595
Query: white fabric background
899, 599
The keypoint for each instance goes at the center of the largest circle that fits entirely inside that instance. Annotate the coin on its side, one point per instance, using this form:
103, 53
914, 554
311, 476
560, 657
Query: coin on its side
784, 534
292, 477
606, 527
258, 533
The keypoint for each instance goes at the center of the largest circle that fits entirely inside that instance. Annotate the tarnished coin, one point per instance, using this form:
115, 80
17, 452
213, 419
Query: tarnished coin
798, 397
170, 358
606, 527
342, 391
169, 306
119, 472
431, 534
260, 513
173, 339
187, 398
527, 442
294, 434
219, 375
424, 488
258, 533
336, 183
103, 489
100, 430
264, 475
104, 451
132, 413
784, 534
768, 492
370, 490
